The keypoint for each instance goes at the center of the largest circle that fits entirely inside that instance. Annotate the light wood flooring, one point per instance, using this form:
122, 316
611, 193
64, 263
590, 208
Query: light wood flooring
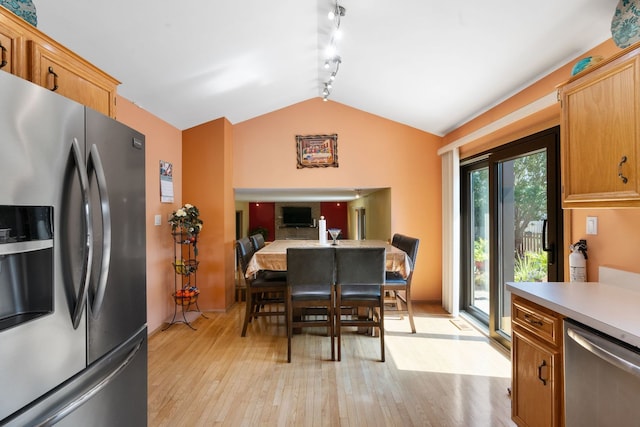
442, 376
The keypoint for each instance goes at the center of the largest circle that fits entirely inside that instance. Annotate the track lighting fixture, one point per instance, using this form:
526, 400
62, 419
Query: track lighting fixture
333, 59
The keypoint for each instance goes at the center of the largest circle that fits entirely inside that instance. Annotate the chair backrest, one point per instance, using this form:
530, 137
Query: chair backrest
360, 266
310, 266
408, 245
257, 240
244, 252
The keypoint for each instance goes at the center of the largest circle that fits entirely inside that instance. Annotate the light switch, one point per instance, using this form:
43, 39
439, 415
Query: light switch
158, 220
592, 225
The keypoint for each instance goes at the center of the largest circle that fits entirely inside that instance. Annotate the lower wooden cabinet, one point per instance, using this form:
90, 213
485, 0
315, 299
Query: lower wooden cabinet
536, 349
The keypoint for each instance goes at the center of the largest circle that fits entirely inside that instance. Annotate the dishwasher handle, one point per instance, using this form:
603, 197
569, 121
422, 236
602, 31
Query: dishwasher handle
605, 350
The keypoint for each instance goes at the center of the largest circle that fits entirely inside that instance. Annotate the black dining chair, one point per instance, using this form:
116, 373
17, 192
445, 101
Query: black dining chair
360, 274
310, 274
265, 288
395, 283
257, 240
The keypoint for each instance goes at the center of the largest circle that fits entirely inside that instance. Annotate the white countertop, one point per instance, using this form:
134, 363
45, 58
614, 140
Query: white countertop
612, 309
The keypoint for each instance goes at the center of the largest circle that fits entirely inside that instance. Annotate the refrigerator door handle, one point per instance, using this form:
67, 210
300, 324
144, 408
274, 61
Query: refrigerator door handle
86, 262
91, 392
95, 163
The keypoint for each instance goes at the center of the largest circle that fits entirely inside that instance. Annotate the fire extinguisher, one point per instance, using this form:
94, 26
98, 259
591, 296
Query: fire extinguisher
578, 261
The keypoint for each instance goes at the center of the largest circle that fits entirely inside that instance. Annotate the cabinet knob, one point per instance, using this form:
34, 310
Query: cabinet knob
623, 178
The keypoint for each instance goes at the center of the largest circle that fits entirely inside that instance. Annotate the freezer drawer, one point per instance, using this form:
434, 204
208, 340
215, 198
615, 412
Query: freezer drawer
111, 392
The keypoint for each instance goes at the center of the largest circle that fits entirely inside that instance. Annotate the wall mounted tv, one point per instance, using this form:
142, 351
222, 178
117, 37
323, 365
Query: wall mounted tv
296, 216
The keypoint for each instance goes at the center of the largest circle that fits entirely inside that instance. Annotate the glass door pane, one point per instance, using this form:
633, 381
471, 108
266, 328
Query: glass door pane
479, 222
522, 201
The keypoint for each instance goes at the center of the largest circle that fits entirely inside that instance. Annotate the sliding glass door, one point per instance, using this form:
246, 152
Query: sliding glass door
512, 225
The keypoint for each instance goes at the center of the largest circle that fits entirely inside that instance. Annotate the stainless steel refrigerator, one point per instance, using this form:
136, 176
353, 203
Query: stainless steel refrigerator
73, 334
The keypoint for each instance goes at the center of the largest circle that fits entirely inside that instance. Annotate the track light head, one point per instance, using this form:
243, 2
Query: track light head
336, 11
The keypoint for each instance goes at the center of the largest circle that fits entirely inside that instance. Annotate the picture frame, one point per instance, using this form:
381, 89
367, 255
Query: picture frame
317, 151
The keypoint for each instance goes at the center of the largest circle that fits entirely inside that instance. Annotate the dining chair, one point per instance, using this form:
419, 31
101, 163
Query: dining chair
395, 283
310, 279
257, 240
262, 289
360, 274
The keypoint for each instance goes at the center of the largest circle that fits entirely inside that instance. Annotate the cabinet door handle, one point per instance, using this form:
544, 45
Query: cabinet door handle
3, 60
532, 320
542, 365
623, 160
55, 79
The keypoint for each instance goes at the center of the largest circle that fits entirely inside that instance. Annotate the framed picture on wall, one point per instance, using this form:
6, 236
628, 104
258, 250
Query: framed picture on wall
317, 151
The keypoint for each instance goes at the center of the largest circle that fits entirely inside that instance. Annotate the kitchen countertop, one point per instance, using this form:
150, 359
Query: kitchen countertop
612, 309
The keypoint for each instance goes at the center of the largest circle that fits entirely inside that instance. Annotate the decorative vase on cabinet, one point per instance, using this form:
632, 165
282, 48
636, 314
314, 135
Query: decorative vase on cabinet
25, 9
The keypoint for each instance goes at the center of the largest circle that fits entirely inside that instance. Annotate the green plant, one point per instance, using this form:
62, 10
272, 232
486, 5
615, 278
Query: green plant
531, 267
480, 249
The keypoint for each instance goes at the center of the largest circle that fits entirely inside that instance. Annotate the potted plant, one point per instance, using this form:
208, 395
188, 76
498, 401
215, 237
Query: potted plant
186, 220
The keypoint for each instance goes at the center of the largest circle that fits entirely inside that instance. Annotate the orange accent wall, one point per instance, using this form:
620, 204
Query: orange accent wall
162, 142
207, 150
373, 152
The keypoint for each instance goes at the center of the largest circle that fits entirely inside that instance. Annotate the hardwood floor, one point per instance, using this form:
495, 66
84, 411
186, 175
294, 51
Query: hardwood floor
442, 376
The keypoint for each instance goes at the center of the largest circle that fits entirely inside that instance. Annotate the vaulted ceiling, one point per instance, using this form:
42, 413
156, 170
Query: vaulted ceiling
432, 65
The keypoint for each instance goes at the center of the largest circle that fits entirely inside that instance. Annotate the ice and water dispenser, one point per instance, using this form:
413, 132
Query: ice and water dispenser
26, 263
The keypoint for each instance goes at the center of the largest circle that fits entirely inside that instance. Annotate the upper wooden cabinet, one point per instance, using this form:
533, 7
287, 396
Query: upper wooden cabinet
11, 45
34, 56
600, 134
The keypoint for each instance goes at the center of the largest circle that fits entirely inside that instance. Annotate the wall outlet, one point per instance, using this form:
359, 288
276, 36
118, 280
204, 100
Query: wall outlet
158, 220
592, 225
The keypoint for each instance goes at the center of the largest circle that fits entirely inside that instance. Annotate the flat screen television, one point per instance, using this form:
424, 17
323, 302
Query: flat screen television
296, 216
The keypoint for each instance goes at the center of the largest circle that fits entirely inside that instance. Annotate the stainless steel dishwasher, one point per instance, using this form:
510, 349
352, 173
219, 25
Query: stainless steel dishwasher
602, 379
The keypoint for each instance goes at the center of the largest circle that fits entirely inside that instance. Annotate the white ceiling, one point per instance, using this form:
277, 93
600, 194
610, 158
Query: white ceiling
432, 65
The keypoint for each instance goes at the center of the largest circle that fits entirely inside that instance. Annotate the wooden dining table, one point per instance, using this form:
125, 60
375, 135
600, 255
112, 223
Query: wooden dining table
274, 255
